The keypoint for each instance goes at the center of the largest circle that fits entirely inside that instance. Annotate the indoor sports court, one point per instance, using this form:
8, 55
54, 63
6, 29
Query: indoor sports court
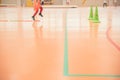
72, 40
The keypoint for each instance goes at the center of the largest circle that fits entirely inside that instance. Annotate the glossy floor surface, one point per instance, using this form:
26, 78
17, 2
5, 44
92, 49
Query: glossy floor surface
63, 45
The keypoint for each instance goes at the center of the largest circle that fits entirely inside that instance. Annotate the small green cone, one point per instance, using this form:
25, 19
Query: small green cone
91, 13
96, 16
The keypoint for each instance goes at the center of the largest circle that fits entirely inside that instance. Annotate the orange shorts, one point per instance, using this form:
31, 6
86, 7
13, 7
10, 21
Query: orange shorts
37, 5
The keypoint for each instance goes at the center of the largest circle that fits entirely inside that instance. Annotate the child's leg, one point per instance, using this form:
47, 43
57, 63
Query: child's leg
36, 11
41, 9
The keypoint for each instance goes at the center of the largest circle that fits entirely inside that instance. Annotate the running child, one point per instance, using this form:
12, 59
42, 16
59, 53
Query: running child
37, 7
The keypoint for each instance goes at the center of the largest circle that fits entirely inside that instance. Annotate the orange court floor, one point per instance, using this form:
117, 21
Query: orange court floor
62, 45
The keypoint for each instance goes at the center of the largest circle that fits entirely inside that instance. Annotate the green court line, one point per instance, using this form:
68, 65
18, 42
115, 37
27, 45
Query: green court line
66, 65
95, 75
66, 70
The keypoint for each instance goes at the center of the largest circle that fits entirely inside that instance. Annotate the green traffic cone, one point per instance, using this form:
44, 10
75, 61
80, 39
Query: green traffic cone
91, 13
96, 16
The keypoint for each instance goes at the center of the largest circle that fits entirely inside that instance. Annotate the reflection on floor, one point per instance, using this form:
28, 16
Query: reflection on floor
63, 45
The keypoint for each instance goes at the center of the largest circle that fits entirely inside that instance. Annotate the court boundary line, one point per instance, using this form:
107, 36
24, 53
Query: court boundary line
19, 20
111, 40
66, 65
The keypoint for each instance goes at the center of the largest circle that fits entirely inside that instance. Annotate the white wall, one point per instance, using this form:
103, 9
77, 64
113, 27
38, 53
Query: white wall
118, 2
8, 1
79, 2
58, 2
92, 2
16, 2
61, 2
88, 2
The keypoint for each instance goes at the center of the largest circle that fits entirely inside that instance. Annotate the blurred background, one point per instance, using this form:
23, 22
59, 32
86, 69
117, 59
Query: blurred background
28, 3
